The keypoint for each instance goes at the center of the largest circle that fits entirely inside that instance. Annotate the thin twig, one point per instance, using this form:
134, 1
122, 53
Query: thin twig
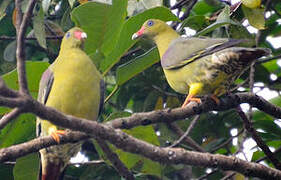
94, 162
8, 117
227, 177
264, 60
5, 38
257, 138
21, 25
208, 174
227, 141
164, 92
179, 4
265, 157
115, 161
190, 127
174, 127
188, 9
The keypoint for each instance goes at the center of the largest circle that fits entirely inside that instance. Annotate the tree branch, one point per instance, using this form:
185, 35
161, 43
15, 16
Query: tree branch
21, 24
257, 138
8, 117
126, 142
4, 38
190, 127
170, 115
114, 159
174, 127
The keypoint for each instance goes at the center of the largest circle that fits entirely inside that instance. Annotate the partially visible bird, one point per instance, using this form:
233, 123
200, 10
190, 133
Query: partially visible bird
198, 66
74, 86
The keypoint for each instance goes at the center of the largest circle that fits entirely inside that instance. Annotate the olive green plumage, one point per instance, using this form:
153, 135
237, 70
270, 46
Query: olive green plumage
198, 66
74, 86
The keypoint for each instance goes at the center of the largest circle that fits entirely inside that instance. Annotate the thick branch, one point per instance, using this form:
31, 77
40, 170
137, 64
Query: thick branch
171, 115
21, 29
163, 155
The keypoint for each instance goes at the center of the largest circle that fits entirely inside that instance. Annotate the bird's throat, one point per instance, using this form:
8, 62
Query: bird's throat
164, 39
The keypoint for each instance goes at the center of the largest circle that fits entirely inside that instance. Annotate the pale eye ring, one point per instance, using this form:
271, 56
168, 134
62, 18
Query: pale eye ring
67, 35
150, 23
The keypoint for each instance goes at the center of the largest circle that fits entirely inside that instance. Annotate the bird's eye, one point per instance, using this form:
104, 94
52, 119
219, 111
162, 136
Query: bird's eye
150, 23
67, 35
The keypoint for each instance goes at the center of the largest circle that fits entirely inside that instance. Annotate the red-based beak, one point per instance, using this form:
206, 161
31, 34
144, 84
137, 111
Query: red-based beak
139, 33
80, 35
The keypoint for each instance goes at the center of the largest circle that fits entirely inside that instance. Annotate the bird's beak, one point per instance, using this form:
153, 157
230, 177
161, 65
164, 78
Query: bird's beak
138, 34
80, 35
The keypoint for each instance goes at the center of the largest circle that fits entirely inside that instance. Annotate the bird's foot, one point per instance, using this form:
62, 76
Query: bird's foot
216, 99
188, 100
55, 135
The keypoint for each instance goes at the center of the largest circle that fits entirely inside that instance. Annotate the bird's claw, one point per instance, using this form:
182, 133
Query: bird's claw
55, 135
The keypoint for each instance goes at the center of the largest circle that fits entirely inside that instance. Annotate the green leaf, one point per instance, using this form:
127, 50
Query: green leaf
135, 66
259, 115
46, 5
223, 19
202, 8
27, 167
102, 23
3, 8
268, 126
71, 3
255, 17
6, 171
39, 28
10, 52
125, 41
34, 70
145, 133
194, 22
18, 131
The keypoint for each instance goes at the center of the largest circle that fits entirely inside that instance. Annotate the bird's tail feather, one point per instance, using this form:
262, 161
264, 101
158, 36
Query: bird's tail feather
53, 171
250, 54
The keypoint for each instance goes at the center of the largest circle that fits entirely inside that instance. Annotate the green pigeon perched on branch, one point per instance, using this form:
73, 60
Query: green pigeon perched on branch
198, 66
74, 86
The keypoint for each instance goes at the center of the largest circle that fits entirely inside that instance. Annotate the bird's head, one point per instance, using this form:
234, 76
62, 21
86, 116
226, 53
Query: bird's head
151, 28
74, 38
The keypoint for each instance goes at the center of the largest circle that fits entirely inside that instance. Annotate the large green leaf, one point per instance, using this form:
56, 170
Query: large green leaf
223, 19
23, 128
135, 66
101, 22
255, 16
34, 70
125, 41
27, 167
39, 28
6, 171
18, 131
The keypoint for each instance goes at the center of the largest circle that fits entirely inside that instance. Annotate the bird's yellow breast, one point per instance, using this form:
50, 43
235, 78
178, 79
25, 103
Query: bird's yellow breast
75, 90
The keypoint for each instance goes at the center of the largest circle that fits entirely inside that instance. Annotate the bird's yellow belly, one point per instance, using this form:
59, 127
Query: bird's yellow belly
181, 79
72, 94
177, 80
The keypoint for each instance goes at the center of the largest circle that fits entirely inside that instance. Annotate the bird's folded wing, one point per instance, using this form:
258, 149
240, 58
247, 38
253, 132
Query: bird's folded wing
45, 87
183, 51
